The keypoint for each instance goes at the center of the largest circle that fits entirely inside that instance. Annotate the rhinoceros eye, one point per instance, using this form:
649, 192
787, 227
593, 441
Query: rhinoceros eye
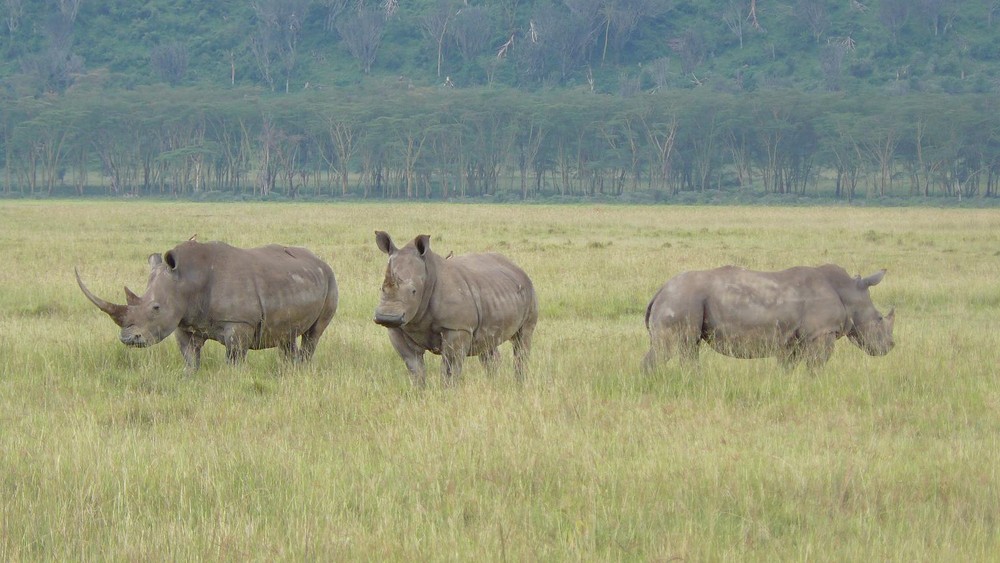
156, 307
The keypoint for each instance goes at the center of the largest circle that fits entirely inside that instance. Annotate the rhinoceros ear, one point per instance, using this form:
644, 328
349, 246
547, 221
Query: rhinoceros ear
131, 298
154, 260
170, 260
865, 283
384, 242
423, 244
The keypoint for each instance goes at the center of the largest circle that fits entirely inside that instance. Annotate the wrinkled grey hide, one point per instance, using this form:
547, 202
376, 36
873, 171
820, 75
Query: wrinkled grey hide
794, 315
247, 299
456, 307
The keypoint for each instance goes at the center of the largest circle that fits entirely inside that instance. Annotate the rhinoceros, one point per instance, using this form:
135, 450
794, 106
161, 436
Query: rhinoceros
246, 299
795, 314
455, 307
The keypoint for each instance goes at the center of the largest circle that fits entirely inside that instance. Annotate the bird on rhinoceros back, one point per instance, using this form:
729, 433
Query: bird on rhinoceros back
463, 305
246, 299
795, 314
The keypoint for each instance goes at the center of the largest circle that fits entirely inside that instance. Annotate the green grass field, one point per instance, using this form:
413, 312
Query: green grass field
108, 453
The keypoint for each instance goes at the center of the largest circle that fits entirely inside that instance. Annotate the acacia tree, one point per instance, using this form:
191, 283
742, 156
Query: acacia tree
472, 30
13, 12
733, 15
813, 15
530, 128
620, 18
334, 8
362, 33
407, 131
346, 131
879, 143
170, 62
557, 41
661, 131
274, 42
434, 25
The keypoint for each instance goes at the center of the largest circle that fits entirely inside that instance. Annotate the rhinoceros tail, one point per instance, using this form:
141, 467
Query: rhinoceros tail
649, 308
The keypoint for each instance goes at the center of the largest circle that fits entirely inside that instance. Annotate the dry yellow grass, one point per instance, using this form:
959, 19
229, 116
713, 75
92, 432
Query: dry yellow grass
109, 453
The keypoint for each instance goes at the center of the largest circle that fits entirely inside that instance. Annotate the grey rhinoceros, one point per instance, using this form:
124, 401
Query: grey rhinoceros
247, 299
794, 315
456, 307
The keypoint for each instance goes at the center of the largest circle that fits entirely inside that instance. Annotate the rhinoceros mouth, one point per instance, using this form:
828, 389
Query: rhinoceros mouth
391, 321
134, 341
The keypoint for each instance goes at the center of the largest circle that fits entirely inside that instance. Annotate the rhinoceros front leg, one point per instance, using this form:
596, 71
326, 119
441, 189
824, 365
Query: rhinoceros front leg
237, 338
190, 346
412, 354
455, 345
819, 351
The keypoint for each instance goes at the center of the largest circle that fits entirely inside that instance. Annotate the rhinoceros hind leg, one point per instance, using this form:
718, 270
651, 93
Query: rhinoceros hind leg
490, 360
236, 354
308, 347
651, 361
290, 348
522, 349
680, 341
311, 336
789, 359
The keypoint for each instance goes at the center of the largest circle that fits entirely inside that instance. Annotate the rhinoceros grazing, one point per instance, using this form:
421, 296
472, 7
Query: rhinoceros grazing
794, 315
456, 307
247, 299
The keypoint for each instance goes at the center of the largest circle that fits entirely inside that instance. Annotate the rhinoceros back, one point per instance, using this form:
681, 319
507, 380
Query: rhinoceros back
282, 290
502, 293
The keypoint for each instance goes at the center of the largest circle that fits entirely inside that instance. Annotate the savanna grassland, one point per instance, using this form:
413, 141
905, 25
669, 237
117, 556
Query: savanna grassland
108, 453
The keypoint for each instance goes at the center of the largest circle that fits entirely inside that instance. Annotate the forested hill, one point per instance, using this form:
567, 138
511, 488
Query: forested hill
608, 46
503, 98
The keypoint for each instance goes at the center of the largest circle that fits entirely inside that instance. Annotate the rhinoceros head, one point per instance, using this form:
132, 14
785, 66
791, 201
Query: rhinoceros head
870, 331
150, 318
408, 280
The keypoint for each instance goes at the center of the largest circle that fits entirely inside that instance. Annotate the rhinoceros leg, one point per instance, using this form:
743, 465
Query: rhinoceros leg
455, 345
311, 336
236, 354
290, 348
413, 356
680, 339
650, 361
190, 346
309, 340
490, 360
816, 352
237, 338
819, 351
790, 357
522, 349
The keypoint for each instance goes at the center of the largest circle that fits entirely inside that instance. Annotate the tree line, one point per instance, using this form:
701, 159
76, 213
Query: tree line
396, 141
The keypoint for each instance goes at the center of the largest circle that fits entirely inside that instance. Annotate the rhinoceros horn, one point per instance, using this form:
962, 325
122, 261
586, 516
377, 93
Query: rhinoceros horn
116, 312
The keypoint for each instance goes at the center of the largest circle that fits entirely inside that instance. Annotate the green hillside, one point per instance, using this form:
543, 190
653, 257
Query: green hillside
613, 46
644, 99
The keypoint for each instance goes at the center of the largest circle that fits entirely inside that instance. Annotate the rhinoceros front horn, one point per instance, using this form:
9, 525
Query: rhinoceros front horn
116, 312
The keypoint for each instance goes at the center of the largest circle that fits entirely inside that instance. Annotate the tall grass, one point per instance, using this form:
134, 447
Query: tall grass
109, 453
